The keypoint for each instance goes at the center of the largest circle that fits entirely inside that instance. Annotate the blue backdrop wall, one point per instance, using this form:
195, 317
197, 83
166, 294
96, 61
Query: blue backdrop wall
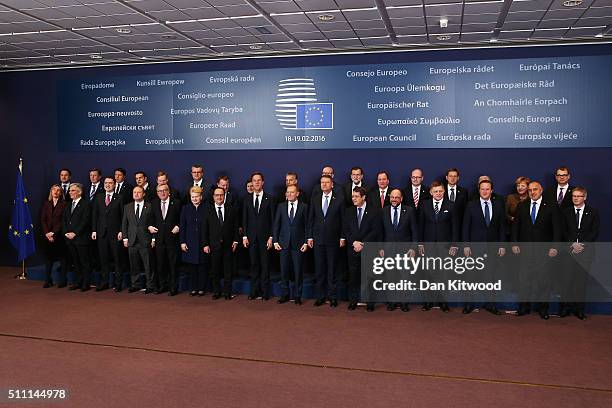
28, 114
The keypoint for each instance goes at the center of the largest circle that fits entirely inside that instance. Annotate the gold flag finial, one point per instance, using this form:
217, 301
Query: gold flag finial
20, 165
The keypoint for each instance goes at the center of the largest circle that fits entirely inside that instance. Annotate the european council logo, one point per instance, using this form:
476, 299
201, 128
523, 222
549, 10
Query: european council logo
297, 106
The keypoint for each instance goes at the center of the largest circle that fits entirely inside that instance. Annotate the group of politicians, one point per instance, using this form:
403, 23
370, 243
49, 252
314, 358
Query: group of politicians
112, 226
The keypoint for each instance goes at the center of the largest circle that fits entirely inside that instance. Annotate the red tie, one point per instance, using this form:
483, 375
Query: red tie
382, 198
108, 199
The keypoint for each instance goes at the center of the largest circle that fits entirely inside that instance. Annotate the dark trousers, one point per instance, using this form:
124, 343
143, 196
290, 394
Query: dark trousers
124, 265
534, 280
198, 276
576, 275
354, 281
222, 260
82, 269
289, 258
55, 251
140, 261
167, 258
108, 247
260, 274
326, 267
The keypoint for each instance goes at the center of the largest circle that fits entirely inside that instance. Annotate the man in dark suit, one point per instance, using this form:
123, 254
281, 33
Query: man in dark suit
325, 236
379, 196
165, 219
122, 187
107, 212
416, 193
137, 238
95, 186
289, 237
581, 229
356, 181
327, 171
76, 226
484, 230
362, 224
438, 223
399, 225
561, 193
65, 176
257, 220
163, 180
220, 239
231, 197
141, 179
197, 179
536, 222
455, 193
291, 179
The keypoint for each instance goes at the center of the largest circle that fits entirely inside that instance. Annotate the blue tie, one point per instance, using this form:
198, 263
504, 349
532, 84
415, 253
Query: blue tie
533, 212
291, 213
325, 206
395, 218
487, 214
359, 217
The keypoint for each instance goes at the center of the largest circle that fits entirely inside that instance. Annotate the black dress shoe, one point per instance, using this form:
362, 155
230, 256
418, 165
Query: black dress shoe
333, 303
85, 288
193, 293
74, 287
580, 315
427, 306
61, 285
147, 291
319, 302
202, 293
494, 311
265, 298
564, 313
467, 309
216, 296
404, 307
370, 307
352, 306
101, 288
117, 289
282, 299
47, 285
253, 297
298, 301
523, 312
228, 296
444, 307
173, 293
133, 289
160, 291
391, 306
544, 316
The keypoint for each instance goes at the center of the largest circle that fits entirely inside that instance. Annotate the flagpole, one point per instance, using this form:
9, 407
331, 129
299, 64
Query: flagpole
22, 275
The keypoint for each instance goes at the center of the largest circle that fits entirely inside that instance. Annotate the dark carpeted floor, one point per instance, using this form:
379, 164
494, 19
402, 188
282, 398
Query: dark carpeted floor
123, 350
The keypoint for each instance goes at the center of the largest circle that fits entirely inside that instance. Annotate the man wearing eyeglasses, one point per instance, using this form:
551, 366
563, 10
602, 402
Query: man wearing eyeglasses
416, 192
561, 193
580, 230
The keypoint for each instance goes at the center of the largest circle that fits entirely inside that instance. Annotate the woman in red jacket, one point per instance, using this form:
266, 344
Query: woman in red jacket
54, 247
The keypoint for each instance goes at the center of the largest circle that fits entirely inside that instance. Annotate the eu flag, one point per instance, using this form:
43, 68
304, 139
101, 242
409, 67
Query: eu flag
21, 230
314, 115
